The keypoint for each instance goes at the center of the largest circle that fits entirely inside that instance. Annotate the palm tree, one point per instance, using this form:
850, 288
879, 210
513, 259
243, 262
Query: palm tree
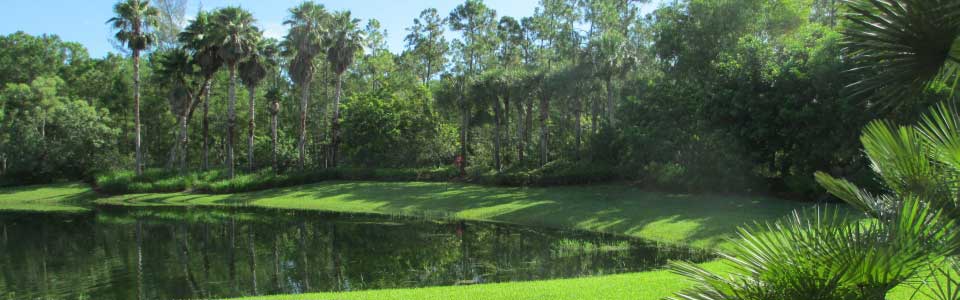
903, 46
345, 41
134, 21
304, 42
175, 70
252, 72
198, 38
236, 37
274, 95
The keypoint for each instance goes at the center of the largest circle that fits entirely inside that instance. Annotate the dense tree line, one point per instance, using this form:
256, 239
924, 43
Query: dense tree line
731, 96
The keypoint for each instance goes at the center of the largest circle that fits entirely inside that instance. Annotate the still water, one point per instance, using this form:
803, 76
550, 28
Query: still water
190, 253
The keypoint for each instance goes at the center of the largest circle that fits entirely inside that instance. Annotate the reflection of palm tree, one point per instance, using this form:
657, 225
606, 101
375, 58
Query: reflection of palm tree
276, 263
139, 260
232, 255
253, 262
183, 254
305, 266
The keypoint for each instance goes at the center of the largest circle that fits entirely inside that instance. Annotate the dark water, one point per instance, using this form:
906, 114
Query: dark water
178, 253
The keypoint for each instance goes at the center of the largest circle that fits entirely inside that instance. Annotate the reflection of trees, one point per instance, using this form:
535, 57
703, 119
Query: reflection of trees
153, 254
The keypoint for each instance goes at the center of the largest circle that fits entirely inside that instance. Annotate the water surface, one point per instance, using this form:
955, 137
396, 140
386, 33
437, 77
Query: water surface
188, 253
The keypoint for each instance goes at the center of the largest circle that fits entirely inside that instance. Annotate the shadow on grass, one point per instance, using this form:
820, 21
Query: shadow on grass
703, 221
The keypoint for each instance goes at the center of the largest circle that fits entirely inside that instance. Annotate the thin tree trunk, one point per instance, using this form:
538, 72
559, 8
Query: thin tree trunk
273, 133
578, 111
335, 122
252, 90
304, 99
594, 116
206, 127
496, 135
520, 131
172, 157
231, 119
544, 115
464, 127
183, 142
528, 127
136, 112
611, 106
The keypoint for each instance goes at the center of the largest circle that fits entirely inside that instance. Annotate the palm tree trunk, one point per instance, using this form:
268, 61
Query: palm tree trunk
183, 142
252, 90
304, 99
273, 133
206, 127
231, 119
335, 122
136, 112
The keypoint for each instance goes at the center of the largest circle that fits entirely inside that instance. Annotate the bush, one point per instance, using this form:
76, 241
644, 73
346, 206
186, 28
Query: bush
214, 182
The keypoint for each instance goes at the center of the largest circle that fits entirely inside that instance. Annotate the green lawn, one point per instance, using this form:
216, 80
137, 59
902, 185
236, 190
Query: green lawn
700, 221
46, 198
693, 220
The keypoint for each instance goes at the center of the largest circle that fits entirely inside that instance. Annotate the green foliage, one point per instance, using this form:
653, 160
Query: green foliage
903, 47
827, 256
393, 131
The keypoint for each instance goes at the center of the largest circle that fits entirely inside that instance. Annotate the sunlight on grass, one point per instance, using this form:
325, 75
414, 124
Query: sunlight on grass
46, 198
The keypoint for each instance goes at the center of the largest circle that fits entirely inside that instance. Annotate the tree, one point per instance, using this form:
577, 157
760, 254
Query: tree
176, 71
902, 47
258, 66
308, 24
198, 38
345, 41
237, 38
476, 21
427, 42
274, 95
134, 21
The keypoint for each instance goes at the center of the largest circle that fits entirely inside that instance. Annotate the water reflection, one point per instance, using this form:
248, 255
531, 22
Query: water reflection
179, 253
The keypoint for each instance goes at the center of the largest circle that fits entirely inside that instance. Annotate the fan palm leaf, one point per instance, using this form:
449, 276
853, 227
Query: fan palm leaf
902, 46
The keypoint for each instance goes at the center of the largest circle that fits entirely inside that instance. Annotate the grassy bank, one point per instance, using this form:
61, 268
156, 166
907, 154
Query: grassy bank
701, 221
46, 198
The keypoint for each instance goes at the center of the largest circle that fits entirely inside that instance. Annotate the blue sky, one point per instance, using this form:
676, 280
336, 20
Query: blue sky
84, 21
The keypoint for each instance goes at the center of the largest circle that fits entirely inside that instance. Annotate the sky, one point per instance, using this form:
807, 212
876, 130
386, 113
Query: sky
84, 21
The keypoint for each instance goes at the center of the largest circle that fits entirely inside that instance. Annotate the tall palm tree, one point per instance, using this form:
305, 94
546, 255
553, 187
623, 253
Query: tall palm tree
236, 36
304, 42
252, 72
134, 21
198, 38
345, 41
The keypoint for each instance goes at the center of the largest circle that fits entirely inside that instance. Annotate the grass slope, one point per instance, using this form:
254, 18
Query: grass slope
699, 221
46, 198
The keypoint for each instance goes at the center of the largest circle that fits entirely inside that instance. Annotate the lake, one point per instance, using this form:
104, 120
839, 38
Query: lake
188, 253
